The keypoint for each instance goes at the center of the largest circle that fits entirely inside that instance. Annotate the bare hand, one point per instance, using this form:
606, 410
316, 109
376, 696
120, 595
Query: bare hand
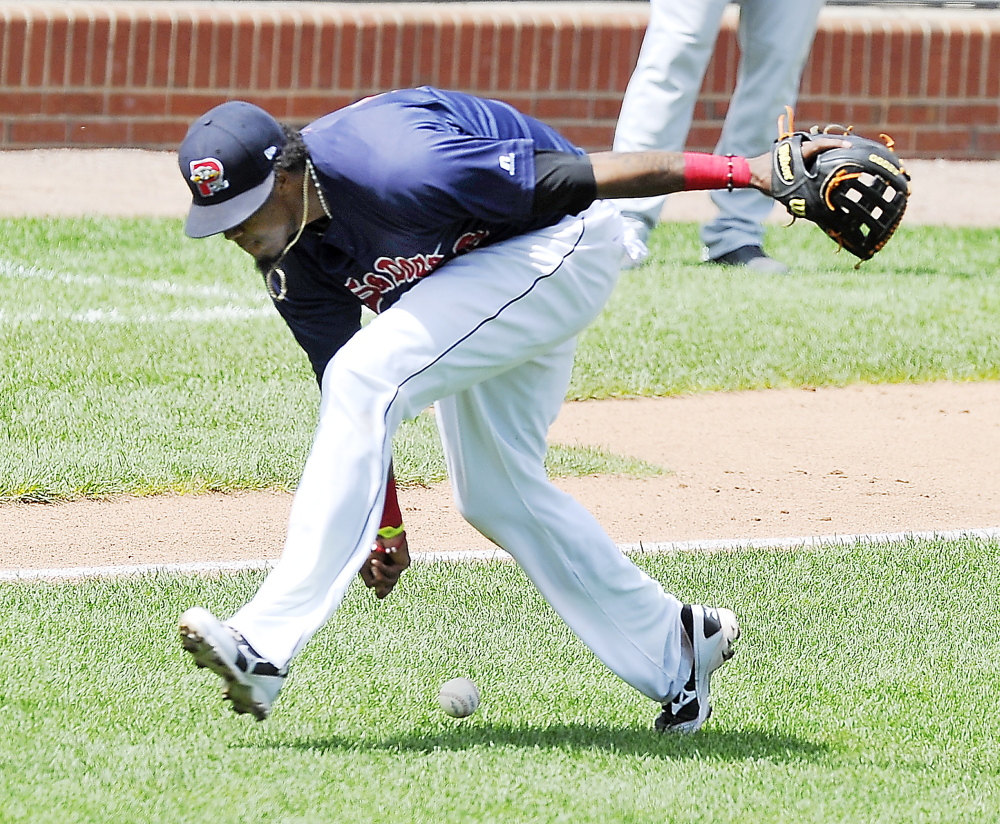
382, 568
760, 166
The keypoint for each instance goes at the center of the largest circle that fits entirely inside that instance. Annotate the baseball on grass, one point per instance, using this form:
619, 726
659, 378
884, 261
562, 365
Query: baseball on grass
459, 697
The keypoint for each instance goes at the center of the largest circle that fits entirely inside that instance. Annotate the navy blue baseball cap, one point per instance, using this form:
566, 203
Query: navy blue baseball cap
226, 159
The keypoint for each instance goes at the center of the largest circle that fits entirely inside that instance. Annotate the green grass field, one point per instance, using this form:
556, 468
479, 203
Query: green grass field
135, 360
132, 360
863, 690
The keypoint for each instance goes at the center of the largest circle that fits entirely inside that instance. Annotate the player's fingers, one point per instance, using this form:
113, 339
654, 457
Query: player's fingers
366, 574
397, 551
811, 148
372, 570
382, 577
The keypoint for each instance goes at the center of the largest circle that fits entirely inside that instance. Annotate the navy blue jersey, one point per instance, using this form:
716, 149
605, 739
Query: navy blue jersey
413, 178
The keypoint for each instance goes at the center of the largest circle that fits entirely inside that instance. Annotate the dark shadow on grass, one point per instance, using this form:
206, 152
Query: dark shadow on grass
722, 745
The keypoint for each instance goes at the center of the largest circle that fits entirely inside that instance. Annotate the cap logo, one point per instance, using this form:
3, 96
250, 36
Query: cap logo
209, 176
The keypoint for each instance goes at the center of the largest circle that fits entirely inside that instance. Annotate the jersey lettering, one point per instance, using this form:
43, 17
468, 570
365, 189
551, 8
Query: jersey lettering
391, 273
470, 240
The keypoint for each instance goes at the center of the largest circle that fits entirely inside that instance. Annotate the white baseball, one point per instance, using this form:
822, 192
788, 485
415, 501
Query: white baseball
459, 697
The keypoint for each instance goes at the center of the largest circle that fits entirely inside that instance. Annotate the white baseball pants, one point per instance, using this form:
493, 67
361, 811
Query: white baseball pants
774, 38
490, 338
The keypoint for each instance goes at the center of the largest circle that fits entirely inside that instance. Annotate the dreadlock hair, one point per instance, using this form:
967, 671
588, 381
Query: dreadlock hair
294, 154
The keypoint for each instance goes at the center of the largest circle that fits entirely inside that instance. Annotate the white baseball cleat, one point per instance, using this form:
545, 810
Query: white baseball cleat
252, 682
711, 633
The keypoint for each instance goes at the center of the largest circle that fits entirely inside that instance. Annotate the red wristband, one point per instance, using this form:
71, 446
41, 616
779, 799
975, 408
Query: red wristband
707, 171
391, 516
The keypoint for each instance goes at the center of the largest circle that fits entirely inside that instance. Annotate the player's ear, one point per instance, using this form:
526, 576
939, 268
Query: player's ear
284, 189
281, 180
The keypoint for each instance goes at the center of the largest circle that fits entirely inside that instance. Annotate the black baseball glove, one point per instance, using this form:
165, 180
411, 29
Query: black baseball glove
857, 195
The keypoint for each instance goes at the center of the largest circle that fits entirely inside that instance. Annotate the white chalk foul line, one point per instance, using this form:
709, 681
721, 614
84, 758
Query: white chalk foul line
882, 538
234, 307
19, 271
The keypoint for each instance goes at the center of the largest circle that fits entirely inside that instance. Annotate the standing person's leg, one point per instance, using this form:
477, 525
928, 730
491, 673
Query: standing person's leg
775, 37
661, 94
476, 317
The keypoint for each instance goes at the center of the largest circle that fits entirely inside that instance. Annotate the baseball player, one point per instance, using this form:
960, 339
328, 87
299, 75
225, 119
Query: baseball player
774, 38
483, 242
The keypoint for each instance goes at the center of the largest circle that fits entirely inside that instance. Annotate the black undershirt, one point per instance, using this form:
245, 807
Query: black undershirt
564, 182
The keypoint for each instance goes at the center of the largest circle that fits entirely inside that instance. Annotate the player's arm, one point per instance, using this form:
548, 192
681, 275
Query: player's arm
652, 173
568, 183
323, 317
391, 554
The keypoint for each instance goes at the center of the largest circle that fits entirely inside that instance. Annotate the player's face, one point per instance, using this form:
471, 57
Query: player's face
267, 231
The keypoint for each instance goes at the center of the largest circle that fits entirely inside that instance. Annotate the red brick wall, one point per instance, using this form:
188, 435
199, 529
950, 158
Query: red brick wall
135, 73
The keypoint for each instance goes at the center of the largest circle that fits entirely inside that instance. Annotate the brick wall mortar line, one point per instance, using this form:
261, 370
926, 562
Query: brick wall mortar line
434, 47
212, 45
397, 69
845, 70
296, 77
413, 67
925, 50
47, 51
263, 74
197, 29
488, 30
496, 49
72, 30
866, 58
233, 54
594, 61
536, 32
904, 61
473, 30
109, 56
556, 54
455, 52
317, 49
70, 17
376, 81
154, 37
253, 82
887, 65
517, 46
355, 70
5, 54
88, 48
273, 83
963, 61
130, 49
984, 65
217, 28
28, 37
945, 76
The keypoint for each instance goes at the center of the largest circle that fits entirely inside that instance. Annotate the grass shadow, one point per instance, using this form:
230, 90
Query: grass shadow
721, 745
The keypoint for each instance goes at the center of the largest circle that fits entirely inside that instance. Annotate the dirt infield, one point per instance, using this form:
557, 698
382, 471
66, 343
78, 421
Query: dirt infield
744, 465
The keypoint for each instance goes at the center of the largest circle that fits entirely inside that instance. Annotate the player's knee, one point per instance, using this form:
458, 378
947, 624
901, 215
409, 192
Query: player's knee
475, 508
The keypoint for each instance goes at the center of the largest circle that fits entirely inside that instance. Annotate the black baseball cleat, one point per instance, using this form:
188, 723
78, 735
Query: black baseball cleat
752, 257
251, 682
710, 633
